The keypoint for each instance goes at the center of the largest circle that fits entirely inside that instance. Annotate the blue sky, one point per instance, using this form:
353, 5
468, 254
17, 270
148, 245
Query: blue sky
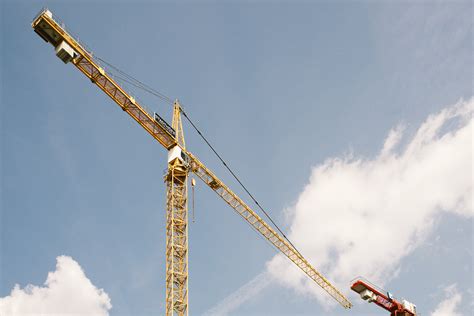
280, 89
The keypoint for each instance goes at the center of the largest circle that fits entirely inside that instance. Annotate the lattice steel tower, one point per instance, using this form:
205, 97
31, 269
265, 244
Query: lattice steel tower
177, 224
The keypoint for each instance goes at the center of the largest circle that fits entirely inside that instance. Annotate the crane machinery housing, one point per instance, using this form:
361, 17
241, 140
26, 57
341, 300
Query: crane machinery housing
372, 294
180, 163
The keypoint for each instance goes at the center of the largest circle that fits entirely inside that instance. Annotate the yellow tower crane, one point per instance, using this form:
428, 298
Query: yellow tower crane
180, 163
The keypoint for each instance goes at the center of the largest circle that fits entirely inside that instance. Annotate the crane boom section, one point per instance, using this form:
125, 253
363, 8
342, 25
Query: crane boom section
51, 31
264, 229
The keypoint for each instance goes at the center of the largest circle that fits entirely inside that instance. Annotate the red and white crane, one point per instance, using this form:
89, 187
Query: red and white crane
372, 294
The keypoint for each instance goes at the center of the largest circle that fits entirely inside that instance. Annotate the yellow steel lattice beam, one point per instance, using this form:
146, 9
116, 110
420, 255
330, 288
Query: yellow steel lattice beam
51, 31
264, 229
176, 239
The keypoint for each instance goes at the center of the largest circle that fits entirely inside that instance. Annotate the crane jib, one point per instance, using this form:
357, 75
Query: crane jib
68, 49
264, 229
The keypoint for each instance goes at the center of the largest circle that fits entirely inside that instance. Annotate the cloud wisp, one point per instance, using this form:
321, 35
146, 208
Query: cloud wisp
360, 216
67, 291
448, 307
242, 295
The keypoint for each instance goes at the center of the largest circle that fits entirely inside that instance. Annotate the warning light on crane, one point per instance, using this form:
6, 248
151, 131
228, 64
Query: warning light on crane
372, 294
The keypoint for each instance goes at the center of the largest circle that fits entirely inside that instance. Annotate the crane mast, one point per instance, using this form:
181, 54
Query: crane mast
177, 224
180, 163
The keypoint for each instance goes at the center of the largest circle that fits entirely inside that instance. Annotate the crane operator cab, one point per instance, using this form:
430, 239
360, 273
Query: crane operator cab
177, 153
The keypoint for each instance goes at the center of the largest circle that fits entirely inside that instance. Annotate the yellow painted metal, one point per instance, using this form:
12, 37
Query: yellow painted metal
177, 239
177, 228
176, 178
49, 29
264, 229
177, 124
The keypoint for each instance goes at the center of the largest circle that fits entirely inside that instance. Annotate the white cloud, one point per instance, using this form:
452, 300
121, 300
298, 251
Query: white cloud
449, 305
360, 216
243, 294
363, 216
67, 291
